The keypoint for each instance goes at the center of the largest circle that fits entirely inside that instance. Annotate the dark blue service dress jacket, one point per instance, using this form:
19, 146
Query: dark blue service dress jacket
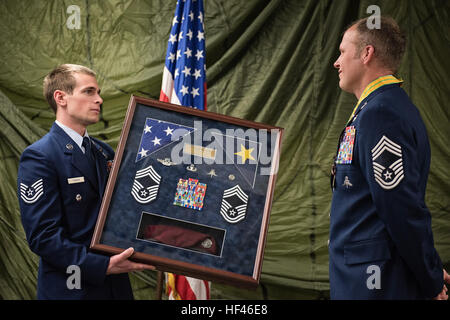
60, 197
381, 243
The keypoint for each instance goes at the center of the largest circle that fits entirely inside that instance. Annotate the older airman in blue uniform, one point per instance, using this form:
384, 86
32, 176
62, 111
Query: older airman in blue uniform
61, 181
381, 243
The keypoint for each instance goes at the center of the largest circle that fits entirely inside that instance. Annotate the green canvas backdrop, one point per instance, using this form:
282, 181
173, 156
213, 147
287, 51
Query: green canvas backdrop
267, 61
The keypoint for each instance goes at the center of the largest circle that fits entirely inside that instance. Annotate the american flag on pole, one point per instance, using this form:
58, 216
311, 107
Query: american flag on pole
180, 287
184, 83
184, 76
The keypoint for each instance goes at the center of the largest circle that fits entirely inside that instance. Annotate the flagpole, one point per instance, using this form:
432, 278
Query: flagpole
184, 83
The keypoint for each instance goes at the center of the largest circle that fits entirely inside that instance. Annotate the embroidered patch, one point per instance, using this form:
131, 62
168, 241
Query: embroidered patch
387, 163
145, 185
30, 194
345, 154
190, 194
234, 204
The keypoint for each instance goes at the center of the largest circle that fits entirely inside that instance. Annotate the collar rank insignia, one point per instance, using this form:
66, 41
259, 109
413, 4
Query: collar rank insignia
234, 204
145, 185
387, 163
30, 194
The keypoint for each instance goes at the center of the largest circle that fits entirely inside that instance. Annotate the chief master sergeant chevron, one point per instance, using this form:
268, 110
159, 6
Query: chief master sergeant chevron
61, 181
381, 243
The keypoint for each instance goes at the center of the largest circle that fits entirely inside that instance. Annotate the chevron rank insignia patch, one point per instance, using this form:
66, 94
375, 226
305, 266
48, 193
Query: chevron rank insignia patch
30, 194
234, 204
387, 163
145, 185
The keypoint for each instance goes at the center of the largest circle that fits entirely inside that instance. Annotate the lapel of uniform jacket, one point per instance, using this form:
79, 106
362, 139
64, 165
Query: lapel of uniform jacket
78, 159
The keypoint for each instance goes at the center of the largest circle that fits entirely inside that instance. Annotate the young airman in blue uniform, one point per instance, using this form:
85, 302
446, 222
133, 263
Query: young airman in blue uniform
381, 243
61, 181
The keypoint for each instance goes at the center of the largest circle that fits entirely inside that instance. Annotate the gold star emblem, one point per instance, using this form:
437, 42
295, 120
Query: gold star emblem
245, 154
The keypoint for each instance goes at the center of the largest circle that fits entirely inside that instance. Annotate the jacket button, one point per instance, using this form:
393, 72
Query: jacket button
78, 197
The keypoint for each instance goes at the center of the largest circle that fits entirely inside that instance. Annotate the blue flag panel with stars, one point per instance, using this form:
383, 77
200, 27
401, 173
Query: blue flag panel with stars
185, 58
157, 134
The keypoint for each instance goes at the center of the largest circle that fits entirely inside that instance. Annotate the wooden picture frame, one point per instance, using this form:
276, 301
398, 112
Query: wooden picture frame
193, 198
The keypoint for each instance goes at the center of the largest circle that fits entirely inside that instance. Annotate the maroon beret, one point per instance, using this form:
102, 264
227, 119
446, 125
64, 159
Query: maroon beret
181, 237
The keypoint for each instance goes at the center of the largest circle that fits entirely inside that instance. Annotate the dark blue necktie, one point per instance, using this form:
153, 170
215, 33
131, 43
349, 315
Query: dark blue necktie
88, 151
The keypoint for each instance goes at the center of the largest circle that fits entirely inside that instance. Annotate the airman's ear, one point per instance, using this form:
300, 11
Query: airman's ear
367, 54
60, 98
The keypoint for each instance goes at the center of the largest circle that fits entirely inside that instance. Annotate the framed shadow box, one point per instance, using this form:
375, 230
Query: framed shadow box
191, 192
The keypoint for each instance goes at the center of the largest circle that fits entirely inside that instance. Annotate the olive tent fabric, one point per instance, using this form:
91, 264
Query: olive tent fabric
267, 61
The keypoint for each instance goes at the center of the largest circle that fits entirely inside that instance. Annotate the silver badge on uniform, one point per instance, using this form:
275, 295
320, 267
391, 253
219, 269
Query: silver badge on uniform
347, 183
387, 163
30, 194
234, 204
145, 185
